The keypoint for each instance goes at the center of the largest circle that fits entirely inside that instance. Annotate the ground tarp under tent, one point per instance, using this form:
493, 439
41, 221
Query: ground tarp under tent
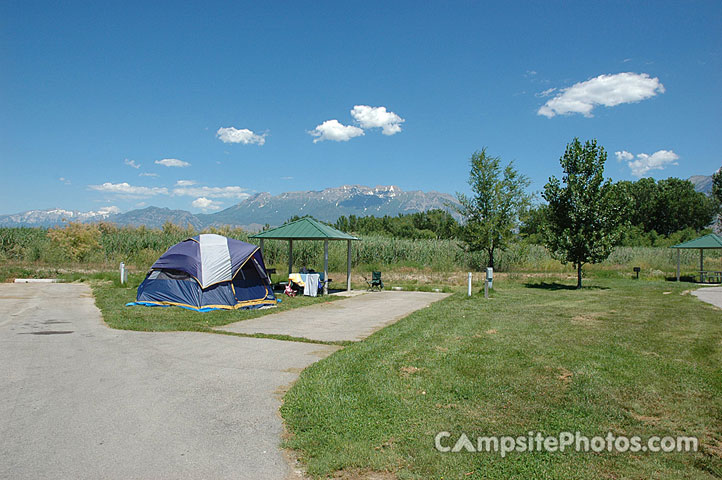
208, 272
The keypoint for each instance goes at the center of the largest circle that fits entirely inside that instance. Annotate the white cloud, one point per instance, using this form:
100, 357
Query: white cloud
545, 93
606, 90
185, 183
109, 210
212, 192
334, 130
64, 180
243, 135
145, 174
127, 189
131, 163
623, 156
172, 162
377, 117
644, 162
206, 204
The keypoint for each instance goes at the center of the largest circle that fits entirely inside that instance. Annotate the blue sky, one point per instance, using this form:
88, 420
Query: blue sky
94, 96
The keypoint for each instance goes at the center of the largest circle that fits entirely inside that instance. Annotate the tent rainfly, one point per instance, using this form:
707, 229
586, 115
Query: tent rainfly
309, 229
708, 242
208, 272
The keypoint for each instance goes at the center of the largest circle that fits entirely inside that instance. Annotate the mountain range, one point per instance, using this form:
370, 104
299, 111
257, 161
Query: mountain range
265, 209
257, 210
702, 183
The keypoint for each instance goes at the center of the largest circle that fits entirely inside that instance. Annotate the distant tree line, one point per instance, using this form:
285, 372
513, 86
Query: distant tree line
656, 213
431, 224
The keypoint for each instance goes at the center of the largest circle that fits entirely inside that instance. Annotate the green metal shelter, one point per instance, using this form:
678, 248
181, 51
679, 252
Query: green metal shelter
708, 242
309, 229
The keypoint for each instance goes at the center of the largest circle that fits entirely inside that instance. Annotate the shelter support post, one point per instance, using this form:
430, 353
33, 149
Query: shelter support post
290, 257
678, 254
261, 246
701, 264
325, 267
348, 266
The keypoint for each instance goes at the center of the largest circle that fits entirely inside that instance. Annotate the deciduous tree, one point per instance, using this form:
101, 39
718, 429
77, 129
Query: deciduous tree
585, 211
491, 214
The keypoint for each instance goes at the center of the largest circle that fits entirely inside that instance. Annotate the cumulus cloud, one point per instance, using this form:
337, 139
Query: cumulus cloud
206, 204
623, 156
109, 210
212, 192
172, 162
243, 135
334, 130
145, 174
185, 183
377, 117
131, 163
127, 189
605, 90
644, 162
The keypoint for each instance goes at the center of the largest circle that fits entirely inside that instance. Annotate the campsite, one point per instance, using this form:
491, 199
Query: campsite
441, 365
360, 240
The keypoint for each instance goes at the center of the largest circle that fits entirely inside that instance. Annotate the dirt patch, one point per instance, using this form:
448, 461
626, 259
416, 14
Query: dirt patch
565, 376
588, 319
491, 332
409, 370
645, 418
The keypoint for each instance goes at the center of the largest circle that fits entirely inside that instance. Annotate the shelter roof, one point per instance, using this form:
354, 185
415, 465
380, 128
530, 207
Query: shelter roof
305, 229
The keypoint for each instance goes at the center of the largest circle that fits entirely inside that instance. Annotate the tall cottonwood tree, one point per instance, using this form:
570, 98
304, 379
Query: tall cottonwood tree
492, 213
585, 212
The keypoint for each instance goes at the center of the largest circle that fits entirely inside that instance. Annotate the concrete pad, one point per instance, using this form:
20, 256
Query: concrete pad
349, 319
347, 293
711, 295
80, 400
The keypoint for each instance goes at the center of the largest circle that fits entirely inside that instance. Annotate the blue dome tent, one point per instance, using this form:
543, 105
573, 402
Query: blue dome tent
208, 272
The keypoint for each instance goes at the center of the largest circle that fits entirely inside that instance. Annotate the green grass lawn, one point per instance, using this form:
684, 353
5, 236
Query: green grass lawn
111, 297
631, 357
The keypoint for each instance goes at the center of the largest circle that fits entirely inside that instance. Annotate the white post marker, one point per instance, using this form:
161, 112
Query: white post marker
123, 273
469, 283
490, 277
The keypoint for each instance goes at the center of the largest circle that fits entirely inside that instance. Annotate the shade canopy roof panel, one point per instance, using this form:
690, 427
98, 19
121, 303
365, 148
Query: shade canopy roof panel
304, 229
707, 242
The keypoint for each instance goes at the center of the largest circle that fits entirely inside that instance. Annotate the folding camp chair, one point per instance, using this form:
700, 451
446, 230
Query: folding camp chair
375, 282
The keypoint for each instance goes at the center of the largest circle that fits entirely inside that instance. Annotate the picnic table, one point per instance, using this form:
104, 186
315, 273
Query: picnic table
710, 276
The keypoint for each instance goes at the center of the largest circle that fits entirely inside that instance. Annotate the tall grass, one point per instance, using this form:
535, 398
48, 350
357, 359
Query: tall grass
140, 247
